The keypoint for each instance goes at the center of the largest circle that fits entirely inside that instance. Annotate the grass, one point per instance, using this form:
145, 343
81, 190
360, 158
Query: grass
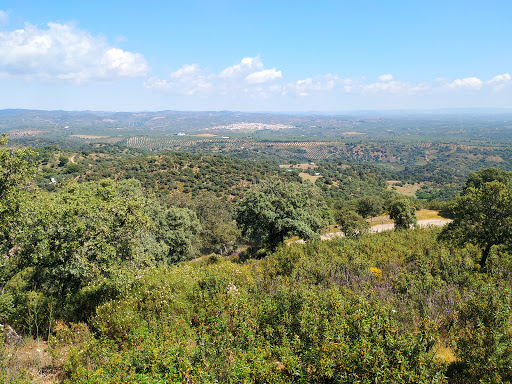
298, 166
429, 214
421, 214
31, 359
406, 189
307, 176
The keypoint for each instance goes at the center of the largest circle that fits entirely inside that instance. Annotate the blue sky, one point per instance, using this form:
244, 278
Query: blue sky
255, 56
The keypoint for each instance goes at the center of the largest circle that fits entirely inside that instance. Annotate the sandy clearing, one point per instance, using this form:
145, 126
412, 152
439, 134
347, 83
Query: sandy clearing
388, 227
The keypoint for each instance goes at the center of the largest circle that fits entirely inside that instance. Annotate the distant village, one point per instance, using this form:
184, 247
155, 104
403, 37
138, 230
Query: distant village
249, 127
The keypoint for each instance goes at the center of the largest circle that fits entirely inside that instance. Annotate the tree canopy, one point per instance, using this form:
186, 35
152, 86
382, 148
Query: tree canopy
479, 178
402, 212
351, 223
482, 216
16, 168
276, 209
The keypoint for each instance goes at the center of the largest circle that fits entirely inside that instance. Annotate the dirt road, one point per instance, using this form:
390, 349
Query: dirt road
390, 226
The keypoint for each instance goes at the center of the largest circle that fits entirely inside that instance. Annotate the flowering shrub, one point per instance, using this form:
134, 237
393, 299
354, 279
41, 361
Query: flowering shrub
314, 313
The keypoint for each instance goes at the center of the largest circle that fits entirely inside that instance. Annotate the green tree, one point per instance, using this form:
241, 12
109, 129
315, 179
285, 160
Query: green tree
218, 229
277, 209
82, 236
175, 231
16, 168
63, 160
403, 213
482, 216
351, 223
479, 178
483, 337
370, 206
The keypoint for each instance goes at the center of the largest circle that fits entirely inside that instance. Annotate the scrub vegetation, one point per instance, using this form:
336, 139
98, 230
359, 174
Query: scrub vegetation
124, 266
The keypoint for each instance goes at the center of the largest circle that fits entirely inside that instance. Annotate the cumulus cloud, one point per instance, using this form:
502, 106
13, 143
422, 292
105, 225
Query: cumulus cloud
249, 77
385, 78
500, 81
188, 80
468, 82
263, 76
246, 66
388, 86
63, 51
318, 84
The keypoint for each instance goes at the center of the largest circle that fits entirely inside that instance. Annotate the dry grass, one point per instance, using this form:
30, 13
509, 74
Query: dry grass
31, 359
307, 176
421, 214
429, 214
40, 361
407, 189
384, 219
446, 354
298, 166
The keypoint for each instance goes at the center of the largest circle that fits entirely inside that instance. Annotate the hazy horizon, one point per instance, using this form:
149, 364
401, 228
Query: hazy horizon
284, 57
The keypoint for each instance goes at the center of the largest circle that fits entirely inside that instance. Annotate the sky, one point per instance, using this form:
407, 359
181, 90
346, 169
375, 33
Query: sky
282, 56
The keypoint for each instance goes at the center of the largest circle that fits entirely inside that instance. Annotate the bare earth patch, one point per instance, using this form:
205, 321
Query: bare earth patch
307, 176
298, 166
406, 189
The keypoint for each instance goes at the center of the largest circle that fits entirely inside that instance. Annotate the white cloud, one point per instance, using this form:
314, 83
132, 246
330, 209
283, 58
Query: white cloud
385, 78
388, 86
251, 80
500, 81
247, 66
188, 80
249, 77
468, 82
318, 84
65, 52
263, 76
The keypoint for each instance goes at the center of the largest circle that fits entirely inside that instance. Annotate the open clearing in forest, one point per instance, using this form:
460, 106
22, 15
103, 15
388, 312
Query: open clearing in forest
405, 189
307, 176
426, 218
421, 214
298, 166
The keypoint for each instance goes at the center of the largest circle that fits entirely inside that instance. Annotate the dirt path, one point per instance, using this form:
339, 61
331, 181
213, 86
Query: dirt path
391, 226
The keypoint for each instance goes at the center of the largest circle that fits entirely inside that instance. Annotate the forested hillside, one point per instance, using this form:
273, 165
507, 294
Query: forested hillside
124, 266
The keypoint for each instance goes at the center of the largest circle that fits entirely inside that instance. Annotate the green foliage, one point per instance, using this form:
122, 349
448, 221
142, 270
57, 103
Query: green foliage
221, 322
478, 179
16, 167
351, 223
6, 306
482, 216
370, 206
403, 213
277, 209
175, 231
78, 237
219, 230
483, 337
63, 160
